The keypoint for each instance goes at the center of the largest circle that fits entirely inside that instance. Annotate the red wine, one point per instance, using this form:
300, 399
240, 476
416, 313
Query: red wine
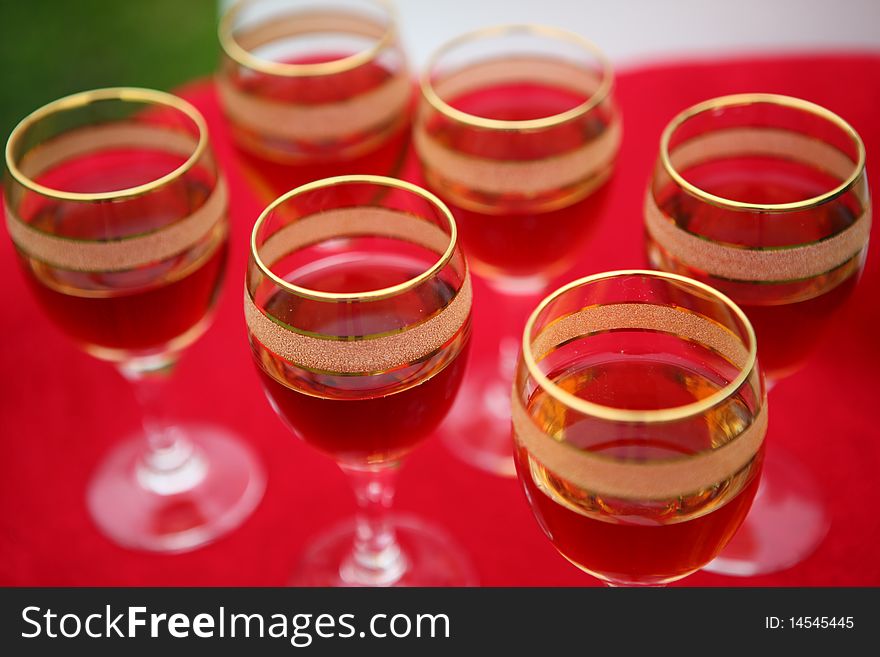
127, 322
120, 314
789, 318
639, 541
379, 152
512, 235
272, 179
368, 418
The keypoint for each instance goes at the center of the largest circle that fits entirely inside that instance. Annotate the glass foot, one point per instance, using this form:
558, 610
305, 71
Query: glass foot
431, 557
210, 494
786, 523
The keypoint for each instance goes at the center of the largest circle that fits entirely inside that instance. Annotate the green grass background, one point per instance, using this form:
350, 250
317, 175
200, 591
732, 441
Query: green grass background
51, 48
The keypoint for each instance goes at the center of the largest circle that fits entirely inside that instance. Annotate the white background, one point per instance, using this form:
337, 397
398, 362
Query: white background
634, 31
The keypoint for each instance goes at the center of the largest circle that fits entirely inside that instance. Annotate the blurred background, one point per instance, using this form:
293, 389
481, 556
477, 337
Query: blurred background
50, 48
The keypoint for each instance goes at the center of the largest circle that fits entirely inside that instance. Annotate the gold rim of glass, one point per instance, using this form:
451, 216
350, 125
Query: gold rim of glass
247, 59
643, 416
83, 98
430, 94
769, 99
381, 293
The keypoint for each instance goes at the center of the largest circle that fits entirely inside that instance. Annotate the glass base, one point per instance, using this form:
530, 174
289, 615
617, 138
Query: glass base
431, 557
786, 523
212, 493
530, 287
477, 429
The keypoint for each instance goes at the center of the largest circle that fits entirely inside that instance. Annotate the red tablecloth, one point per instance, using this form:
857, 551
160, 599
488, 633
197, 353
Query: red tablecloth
60, 410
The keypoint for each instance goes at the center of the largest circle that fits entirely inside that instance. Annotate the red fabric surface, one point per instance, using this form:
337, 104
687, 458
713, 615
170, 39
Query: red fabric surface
61, 410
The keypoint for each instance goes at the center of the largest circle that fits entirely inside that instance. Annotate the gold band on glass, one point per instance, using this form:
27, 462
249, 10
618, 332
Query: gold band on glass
622, 478
364, 355
643, 480
526, 177
383, 293
432, 96
359, 114
124, 253
641, 316
360, 354
739, 100
239, 54
530, 357
84, 98
742, 263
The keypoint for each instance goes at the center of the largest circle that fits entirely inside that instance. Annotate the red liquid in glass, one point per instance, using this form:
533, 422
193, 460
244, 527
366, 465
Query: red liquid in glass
787, 330
135, 320
639, 541
515, 240
394, 411
650, 553
379, 153
118, 314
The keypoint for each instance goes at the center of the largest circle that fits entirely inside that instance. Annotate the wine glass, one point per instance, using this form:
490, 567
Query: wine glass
358, 305
314, 90
639, 416
765, 197
518, 132
117, 210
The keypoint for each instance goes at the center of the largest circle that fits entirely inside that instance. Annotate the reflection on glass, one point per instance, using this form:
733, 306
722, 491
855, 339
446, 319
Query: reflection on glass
518, 131
639, 417
765, 197
314, 90
118, 212
358, 311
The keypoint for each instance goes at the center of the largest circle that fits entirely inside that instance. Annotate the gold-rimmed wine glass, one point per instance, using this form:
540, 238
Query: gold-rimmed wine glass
358, 303
639, 416
765, 197
518, 131
117, 210
314, 90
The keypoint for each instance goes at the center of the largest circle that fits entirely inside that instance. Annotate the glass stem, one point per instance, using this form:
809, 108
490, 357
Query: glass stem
170, 463
508, 324
515, 310
376, 558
